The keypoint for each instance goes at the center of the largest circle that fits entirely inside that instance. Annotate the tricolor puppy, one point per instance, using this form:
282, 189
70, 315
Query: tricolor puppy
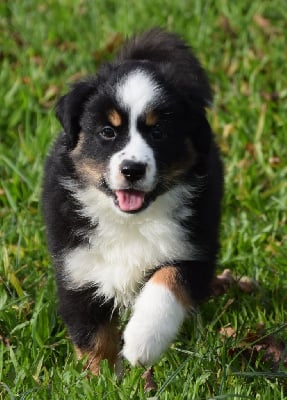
132, 194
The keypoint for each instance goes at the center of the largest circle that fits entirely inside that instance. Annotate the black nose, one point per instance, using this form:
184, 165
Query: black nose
133, 171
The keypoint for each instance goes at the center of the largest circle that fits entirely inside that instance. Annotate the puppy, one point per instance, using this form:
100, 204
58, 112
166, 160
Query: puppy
131, 199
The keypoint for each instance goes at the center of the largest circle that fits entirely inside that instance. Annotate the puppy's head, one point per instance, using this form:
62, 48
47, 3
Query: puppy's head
134, 131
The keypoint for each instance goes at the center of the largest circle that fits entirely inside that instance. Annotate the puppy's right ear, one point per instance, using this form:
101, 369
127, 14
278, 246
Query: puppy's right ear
70, 107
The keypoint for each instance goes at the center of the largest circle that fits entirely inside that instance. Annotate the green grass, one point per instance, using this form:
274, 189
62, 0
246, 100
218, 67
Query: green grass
46, 45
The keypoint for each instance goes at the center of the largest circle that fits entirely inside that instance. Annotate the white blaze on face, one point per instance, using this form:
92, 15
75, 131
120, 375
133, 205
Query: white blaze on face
135, 93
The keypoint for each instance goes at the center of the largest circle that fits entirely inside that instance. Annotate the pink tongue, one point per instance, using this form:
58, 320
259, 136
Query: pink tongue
130, 200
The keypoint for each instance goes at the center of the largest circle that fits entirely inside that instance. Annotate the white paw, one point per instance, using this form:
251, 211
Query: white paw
142, 348
155, 321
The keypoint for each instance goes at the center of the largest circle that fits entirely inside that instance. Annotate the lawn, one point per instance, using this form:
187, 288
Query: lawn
235, 346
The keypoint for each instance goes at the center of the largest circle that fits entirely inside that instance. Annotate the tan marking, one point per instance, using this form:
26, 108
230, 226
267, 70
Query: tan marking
89, 171
176, 171
106, 347
87, 168
179, 168
78, 149
114, 118
168, 276
151, 118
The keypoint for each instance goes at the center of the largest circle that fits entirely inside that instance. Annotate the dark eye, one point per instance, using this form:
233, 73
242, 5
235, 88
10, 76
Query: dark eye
108, 133
157, 133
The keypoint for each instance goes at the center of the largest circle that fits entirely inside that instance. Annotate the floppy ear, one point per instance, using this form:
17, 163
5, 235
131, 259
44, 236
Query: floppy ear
70, 107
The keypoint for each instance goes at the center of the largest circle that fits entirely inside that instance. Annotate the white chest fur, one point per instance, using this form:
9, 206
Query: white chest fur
125, 247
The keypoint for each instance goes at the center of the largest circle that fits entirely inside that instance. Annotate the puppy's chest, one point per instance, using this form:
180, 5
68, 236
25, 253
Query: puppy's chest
120, 255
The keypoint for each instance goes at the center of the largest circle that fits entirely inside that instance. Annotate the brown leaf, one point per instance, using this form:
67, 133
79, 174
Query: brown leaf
257, 344
270, 96
264, 24
37, 60
18, 39
76, 76
112, 45
274, 161
227, 331
226, 26
5, 340
246, 284
243, 164
228, 129
67, 46
148, 378
26, 80
274, 351
49, 96
223, 282
250, 148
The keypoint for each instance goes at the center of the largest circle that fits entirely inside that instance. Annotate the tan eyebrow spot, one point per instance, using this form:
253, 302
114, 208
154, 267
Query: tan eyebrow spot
114, 118
151, 118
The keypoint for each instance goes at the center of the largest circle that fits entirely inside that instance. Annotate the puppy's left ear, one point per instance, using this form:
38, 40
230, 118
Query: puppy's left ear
70, 107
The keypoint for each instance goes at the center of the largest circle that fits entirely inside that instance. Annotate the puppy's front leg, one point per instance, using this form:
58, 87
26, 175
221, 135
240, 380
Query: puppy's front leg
158, 313
104, 345
92, 326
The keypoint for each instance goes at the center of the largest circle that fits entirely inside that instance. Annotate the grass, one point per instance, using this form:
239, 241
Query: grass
46, 45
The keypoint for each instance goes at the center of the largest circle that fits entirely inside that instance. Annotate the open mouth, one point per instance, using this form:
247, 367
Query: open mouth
130, 200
